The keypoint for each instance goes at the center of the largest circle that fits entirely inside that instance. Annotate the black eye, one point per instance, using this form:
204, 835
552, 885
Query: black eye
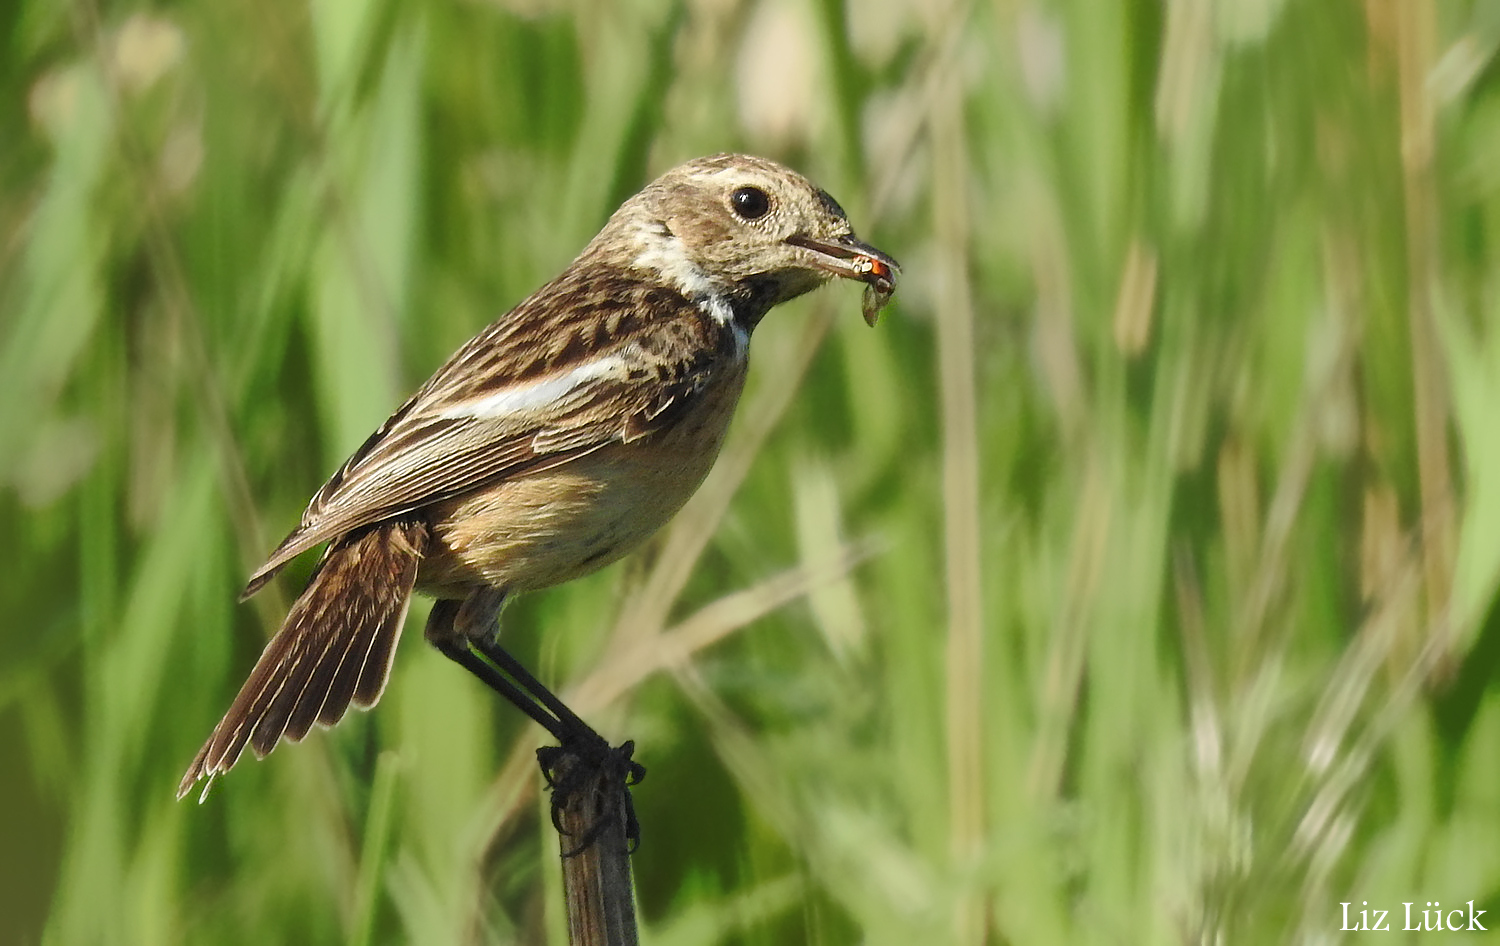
751, 203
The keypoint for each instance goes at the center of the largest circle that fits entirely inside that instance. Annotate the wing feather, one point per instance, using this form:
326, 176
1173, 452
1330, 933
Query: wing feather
489, 414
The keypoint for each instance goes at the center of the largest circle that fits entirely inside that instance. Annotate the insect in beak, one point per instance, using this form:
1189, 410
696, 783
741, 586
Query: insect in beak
850, 259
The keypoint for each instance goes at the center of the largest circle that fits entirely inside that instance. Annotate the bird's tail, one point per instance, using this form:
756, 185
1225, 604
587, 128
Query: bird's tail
333, 649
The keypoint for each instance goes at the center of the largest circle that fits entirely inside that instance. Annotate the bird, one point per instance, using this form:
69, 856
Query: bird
551, 444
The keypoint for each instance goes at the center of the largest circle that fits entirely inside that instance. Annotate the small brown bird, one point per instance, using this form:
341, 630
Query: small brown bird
551, 444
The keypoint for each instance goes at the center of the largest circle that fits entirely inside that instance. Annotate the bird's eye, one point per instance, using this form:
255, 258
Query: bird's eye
751, 203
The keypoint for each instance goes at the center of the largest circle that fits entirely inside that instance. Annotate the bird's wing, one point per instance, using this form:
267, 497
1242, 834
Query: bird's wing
505, 405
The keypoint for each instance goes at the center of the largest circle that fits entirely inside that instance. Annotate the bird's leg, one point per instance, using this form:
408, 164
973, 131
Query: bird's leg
567, 727
468, 632
441, 633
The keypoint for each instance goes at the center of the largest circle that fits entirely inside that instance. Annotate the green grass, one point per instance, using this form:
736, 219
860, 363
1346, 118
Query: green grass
1134, 581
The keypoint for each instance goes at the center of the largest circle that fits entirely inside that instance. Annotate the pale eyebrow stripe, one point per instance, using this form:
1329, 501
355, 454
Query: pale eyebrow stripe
536, 394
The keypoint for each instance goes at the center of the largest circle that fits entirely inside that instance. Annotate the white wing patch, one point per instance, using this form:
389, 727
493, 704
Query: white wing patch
541, 395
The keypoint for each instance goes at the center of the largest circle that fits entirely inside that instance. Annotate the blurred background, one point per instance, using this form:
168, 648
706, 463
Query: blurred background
1133, 582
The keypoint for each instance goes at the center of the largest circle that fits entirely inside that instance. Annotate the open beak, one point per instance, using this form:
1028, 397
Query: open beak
850, 259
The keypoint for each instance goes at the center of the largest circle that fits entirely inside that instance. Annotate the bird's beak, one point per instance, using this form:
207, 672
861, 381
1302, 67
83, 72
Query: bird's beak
850, 259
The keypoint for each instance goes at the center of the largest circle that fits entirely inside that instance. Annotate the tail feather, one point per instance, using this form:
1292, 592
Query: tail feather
373, 674
325, 686
334, 649
344, 631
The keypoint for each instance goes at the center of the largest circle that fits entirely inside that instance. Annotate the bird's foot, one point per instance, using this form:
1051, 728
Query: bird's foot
592, 779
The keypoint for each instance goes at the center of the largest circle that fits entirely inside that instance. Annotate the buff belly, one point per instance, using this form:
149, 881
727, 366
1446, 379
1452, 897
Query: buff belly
546, 528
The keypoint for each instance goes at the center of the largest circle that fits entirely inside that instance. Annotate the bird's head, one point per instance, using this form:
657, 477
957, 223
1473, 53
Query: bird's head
745, 230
